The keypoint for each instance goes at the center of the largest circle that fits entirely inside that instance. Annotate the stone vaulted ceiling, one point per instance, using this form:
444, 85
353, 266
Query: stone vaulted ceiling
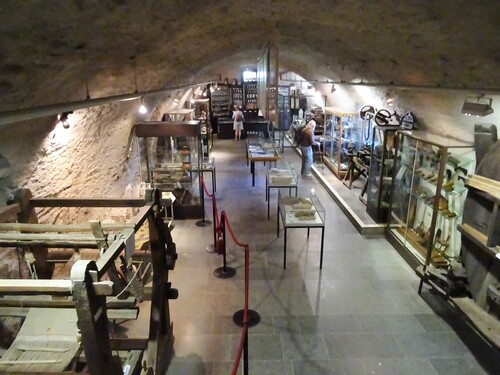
49, 48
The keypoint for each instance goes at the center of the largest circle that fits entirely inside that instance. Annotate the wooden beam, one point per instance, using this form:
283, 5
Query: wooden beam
88, 202
22, 227
109, 256
167, 129
36, 301
29, 286
73, 237
142, 215
487, 185
46, 244
9, 213
113, 314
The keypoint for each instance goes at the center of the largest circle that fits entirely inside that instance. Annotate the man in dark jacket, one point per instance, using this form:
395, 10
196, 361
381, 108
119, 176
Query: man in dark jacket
307, 141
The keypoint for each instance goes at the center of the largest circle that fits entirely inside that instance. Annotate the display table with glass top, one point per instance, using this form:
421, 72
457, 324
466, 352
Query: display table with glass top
260, 150
280, 177
208, 165
428, 195
300, 212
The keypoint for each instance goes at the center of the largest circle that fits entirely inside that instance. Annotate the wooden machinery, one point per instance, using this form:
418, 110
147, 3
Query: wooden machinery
108, 311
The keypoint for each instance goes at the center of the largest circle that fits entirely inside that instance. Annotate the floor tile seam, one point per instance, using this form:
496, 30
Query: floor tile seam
367, 370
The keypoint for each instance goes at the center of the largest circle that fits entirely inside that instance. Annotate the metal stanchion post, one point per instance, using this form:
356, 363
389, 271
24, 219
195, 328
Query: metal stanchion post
212, 247
223, 272
203, 222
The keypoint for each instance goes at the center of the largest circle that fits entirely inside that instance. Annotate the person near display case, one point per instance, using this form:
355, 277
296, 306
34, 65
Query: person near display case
307, 141
238, 122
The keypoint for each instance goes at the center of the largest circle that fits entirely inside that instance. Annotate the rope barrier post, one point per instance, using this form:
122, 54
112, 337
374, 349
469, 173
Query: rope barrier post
246, 316
202, 222
223, 272
245, 355
212, 247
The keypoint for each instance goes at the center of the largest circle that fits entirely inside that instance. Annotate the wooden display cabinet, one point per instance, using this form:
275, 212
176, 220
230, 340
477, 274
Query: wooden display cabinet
428, 195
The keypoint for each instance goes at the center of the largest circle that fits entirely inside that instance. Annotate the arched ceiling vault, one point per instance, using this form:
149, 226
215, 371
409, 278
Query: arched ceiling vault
50, 48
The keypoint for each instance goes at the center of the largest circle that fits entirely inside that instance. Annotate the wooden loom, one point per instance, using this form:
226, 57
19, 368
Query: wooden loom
67, 321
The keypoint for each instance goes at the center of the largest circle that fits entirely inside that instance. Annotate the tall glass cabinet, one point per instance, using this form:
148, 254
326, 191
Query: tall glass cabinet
428, 195
383, 149
171, 156
342, 134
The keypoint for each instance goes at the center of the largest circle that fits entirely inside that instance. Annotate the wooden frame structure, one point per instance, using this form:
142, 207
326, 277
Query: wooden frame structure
99, 289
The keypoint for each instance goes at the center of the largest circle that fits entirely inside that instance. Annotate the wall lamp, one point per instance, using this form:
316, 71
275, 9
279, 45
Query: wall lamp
333, 89
389, 99
63, 119
143, 109
477, 106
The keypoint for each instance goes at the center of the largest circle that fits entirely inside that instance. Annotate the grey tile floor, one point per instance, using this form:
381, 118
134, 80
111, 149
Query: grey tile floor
361, 314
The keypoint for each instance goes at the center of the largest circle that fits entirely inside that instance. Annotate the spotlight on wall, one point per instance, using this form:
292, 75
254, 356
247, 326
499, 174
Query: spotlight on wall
63, 119
142, 108
389, 99
333, 89
477, 106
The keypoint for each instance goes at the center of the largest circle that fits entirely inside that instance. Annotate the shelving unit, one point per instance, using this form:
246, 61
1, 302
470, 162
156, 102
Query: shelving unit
480, 259
250, 89
237, 95
220, 101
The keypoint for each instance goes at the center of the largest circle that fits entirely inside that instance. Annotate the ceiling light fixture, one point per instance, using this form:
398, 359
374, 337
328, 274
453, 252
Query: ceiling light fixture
63, 119
142, 109
477, 106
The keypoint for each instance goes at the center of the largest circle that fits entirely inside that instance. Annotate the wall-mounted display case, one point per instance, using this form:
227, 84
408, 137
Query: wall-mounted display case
342, 134
383, 150
168, 151
428, 195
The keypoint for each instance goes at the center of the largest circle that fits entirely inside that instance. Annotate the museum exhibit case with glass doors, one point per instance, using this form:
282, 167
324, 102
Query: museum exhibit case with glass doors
171, 154
342, 135
383, 150
428, 195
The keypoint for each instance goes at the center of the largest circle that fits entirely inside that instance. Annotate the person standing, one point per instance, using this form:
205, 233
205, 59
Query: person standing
306, 143
238, 122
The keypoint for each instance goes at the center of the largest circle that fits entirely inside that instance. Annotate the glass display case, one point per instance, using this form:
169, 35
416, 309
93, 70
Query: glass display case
383, 149
283, 175
168, 151
342, 135
428, 195
300, 212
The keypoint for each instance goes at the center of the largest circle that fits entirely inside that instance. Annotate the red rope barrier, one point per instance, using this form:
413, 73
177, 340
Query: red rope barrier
214, 205
223, 215
205, 188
